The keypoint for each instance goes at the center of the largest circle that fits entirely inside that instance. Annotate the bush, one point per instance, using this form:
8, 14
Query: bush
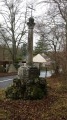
31, 90
17, 82
2, 69
16, 65
8, 92
34, 93
16, 91
43, 85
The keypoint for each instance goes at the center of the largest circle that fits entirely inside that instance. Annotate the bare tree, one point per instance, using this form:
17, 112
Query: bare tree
14, 24
58, 13
62, 11
56, 31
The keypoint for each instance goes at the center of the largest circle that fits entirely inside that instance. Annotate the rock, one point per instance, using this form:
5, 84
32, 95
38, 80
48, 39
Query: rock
23, 73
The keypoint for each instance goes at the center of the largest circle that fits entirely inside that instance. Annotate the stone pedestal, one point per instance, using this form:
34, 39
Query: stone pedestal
28, 74
23, 74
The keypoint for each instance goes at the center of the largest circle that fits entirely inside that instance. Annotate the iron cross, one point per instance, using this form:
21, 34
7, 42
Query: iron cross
31, 9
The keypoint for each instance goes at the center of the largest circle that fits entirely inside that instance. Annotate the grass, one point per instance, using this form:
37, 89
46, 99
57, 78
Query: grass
53, 107
4, 114
2, 94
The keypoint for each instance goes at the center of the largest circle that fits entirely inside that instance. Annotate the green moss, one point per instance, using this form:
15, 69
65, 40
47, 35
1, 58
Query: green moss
34, 92
26, 91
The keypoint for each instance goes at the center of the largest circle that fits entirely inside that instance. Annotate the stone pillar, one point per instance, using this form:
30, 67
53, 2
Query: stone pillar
30, 41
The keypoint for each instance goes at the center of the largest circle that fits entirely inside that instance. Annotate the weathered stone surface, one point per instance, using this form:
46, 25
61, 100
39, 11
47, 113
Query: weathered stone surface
23, 73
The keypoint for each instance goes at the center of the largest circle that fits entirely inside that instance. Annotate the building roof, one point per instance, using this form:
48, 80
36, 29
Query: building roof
39, 59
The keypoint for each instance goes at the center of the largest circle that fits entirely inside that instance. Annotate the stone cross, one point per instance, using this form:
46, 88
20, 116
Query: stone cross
31, 9
31, 25
30, 40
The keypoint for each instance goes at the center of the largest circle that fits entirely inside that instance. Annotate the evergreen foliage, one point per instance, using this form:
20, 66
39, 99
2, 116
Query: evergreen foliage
31, 90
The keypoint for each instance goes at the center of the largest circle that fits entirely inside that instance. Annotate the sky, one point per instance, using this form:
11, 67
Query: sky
39, 9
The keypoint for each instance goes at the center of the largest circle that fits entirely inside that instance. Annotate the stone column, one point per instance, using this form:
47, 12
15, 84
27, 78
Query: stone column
30, 41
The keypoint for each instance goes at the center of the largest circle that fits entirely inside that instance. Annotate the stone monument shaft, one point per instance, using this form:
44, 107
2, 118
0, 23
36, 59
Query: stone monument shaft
30, 40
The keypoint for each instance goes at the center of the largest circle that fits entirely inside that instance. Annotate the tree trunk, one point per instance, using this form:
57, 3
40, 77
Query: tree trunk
66, 53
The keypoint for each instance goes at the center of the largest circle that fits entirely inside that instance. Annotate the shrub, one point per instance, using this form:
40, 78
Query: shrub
43, 86
8, 92
17, 82
31, 90
2, 69
35, 91
16, 65
16, 91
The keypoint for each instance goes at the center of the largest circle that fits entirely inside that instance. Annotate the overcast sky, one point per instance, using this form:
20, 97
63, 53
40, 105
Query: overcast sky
40, 9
